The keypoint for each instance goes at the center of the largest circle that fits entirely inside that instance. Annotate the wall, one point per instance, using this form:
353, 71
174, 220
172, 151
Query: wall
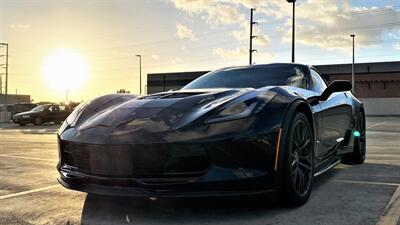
12, 98
381, 106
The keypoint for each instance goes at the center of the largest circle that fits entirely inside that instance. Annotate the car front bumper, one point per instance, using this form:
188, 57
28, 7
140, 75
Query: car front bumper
22, 119
213, 168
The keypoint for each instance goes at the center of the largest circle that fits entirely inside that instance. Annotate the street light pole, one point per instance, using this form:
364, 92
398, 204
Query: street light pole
6, 89
293, 27
353, 88
140, 73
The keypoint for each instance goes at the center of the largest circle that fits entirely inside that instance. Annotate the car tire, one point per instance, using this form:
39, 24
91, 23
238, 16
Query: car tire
298, 164
22, 124
38, 121
359, 146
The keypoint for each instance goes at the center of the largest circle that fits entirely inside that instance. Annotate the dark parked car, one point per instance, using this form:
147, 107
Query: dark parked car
42, 114
234, 131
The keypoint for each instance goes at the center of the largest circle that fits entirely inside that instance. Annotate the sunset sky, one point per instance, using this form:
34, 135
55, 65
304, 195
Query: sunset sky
52, 43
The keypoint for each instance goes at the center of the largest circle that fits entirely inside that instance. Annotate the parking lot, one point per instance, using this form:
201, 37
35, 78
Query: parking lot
363, 194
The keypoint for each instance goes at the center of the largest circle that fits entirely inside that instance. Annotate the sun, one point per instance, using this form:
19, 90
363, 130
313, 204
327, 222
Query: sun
65, 69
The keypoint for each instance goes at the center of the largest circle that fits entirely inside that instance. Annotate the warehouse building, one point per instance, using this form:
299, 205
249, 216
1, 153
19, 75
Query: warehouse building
377, 83
13, 98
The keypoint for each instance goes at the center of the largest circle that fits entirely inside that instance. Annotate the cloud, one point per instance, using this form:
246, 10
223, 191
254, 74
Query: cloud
175, 60
396, 46
183, 31
155, 57
238, 53
20, 27
329, 25
215, 12
242, 53
326, 26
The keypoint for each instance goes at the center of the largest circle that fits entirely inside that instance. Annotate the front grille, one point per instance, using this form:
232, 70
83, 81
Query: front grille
159, 160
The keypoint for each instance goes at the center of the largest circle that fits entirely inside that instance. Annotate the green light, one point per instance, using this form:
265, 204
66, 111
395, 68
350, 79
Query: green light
356, 133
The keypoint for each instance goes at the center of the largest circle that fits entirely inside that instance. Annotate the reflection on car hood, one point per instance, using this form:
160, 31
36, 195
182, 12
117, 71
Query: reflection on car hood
162, 111
25, 113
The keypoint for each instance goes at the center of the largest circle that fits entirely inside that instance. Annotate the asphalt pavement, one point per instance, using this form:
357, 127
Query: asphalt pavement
360, 194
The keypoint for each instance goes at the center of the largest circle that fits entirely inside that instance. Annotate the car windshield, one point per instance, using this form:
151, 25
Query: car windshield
255, 77
40, 108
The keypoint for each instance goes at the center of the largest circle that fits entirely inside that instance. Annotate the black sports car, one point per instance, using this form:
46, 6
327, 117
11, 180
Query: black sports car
234, 131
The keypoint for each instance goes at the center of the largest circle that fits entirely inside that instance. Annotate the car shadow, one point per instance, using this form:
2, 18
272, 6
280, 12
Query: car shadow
224, 210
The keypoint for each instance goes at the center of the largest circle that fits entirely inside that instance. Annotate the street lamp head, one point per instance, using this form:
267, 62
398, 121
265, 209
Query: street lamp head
138, 55
352, 35
291, 1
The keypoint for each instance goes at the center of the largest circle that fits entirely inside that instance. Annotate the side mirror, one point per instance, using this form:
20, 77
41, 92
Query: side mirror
334, 86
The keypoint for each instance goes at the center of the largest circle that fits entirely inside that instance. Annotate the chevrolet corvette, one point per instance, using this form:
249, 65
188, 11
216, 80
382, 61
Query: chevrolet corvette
235, 131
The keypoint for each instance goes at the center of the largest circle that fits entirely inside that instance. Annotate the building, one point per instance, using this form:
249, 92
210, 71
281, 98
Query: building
158, 82
377, 83
13, 98
5, 112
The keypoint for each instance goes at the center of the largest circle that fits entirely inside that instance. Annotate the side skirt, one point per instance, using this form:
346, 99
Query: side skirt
326, 169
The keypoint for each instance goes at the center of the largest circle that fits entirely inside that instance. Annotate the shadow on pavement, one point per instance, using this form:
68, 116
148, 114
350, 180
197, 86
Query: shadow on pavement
122, 210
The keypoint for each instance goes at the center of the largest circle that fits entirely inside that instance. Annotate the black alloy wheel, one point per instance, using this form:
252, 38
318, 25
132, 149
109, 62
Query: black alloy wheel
38, 121
299, 161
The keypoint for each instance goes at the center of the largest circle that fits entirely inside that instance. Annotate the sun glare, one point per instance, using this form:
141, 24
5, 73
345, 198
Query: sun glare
65, 69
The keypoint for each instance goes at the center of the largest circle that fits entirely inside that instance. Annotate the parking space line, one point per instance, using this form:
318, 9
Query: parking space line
28, 192
391, 214
31, 158
374, 125
20, 153
367, 182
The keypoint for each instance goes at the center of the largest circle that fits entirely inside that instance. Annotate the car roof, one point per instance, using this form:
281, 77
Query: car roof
261, 66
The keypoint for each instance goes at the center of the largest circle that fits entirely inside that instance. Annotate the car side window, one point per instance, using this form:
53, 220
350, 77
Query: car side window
298, 79
319, 84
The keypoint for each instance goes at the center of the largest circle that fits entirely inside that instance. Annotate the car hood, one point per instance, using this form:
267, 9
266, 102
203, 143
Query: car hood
162, 111
25, 113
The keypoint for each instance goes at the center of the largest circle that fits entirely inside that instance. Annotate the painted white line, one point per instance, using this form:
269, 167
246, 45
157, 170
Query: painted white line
391, 214
31, 158
367, 182
22, 153
28, 192
374, 125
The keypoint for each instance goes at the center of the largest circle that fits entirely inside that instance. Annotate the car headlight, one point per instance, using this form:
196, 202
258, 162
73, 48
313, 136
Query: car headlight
242, 109
234, 112
73, 117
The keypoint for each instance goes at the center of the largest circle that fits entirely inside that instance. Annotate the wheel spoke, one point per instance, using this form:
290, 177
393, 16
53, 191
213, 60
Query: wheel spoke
304, 145
306, 157
301, 182
307, 167
301, 157
299, 135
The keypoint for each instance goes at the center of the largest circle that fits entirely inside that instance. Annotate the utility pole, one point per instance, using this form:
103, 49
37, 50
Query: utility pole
140, 73
66, 95
251, 50
353, 88
6, 67
1, 84
293, 27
